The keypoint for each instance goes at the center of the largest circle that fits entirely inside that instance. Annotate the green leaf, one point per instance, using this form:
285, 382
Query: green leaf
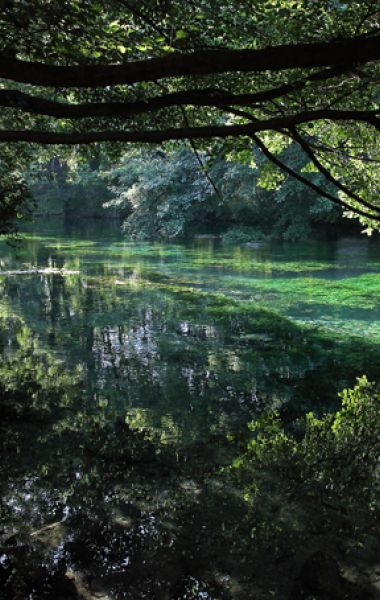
181, 34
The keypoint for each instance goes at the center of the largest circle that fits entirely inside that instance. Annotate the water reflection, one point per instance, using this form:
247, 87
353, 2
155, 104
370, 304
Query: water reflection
142, 325
124, 376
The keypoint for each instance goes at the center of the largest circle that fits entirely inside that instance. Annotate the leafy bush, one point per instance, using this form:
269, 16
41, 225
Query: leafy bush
321, 480
242, 234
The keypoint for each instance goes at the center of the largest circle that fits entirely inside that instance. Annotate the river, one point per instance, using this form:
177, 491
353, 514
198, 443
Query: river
113, 348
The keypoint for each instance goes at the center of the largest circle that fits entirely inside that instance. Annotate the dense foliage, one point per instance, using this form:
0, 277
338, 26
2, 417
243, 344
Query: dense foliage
317, 467
161, 196
314, 492
173, 195
274, 73
73, 192
16, 201
170, 196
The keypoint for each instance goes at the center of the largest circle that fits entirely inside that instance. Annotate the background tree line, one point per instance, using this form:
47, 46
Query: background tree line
172, 195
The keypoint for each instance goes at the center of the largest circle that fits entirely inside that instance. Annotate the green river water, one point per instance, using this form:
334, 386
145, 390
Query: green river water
125, 369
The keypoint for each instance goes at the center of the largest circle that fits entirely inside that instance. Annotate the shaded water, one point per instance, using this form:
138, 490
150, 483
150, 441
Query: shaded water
126, 370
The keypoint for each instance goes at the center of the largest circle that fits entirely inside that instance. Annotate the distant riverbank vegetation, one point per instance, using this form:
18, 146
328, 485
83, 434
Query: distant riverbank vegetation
158, 195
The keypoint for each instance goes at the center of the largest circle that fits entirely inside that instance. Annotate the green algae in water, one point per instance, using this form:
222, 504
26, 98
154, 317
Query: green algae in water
149, 322
127, 380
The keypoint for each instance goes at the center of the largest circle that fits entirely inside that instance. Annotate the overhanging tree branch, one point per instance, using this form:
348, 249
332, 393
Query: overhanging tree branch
201, 62
276, 161
180, 133
205, 97
159, 136
149, 137
326, 173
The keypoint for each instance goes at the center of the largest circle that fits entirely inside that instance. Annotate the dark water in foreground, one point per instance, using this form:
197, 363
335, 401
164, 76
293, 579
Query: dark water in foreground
128, 368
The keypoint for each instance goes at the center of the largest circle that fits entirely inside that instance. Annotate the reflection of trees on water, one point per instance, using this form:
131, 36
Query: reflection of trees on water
143, 357
181, 357
114, 346
92, 501
101, 511
87, 503
132, 531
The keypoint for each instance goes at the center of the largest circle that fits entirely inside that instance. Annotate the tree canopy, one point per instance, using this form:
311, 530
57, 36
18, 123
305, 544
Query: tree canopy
231, 75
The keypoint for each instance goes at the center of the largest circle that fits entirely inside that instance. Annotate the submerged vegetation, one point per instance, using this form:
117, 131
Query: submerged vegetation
150, 420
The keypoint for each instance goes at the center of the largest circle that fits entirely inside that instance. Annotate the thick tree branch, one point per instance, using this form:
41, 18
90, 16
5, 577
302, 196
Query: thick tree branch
309, 183
149, 137
206, 97
206, 132
202, 62
158, 136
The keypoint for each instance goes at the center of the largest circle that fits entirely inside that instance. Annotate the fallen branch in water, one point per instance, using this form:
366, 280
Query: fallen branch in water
39, 271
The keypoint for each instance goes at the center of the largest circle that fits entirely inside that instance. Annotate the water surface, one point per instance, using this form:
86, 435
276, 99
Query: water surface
112, 349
